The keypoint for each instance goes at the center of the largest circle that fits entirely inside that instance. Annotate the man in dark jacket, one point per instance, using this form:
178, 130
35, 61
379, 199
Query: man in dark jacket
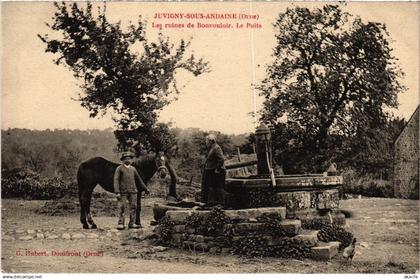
212, 185
126, 178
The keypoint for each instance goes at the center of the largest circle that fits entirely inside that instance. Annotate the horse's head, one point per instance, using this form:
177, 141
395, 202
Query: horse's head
161, 161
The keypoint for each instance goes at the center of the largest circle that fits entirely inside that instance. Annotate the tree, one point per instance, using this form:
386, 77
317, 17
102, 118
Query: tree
115, 77
332, 75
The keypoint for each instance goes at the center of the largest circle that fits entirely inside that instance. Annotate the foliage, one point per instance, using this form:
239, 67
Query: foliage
333, 76
329, 232
253, 245
54, 153
257, 243
120, 71
314, 224
290, 248
366, 185
209, 225
190, 152
335, 233
164, 230
272, 225
18, 183
261, 198
215, 221
58, 153
248, 146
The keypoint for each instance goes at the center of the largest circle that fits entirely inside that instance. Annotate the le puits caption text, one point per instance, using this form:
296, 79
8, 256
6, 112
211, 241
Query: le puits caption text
206, 21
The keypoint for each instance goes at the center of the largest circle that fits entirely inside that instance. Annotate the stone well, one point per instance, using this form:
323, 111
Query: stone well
300, 204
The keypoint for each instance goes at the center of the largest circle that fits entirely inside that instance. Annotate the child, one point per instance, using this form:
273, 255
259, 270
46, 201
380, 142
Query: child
125, 179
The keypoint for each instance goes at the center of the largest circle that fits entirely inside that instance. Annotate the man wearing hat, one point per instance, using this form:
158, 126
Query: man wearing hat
212, 185
125, 179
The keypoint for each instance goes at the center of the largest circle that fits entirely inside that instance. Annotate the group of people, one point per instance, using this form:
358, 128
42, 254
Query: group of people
126, 180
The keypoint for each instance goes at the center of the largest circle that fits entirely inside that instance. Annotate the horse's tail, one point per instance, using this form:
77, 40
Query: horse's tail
79, 178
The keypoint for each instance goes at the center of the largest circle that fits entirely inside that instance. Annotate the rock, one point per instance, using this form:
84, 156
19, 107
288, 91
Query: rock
188, 244
179, 228
40, 236
215, 250
199, 238
220, 239
201, 246
92, 235
159, 210
293, 200
243, 228
114, 230
325, 250
39, 231
19, 231
78, 236
21, 204
31, 231
308, 238
226, 250
160, 248
8, 238
364, 245
52, 236
178, 216
399, 242
28, 237
66, 236
325, 199
177, 237
109, 234
292, 227
254, 213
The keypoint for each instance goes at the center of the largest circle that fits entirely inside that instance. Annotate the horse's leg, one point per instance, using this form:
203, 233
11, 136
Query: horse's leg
89, 216
83, 202
138, 208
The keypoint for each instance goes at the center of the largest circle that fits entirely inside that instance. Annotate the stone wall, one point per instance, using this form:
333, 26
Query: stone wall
242, 231
407, 160
292, 200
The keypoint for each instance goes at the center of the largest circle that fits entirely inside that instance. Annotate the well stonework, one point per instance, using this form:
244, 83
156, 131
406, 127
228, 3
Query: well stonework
244, 223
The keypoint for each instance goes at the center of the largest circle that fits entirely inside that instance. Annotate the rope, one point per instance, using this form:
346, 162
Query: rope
253, 68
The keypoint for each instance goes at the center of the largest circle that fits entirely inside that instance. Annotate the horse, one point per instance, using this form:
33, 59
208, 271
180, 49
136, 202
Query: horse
101, 171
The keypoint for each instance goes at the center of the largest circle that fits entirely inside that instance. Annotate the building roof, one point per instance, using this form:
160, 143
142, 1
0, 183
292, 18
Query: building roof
408, 122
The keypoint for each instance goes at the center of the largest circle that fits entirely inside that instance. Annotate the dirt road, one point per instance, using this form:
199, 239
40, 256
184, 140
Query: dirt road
387, 231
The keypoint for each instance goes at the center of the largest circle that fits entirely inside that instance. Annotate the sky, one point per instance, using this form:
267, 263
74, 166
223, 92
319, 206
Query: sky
37, 94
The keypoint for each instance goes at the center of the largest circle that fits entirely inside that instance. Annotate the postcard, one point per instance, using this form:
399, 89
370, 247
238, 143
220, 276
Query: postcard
210, 137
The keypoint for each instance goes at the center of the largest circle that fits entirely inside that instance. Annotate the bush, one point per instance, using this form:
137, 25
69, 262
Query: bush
366, 185
19, 183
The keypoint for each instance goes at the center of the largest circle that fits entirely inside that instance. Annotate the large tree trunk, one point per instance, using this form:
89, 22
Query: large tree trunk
323, 138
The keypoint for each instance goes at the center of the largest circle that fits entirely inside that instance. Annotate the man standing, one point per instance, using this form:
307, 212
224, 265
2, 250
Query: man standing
125, 179
212, 185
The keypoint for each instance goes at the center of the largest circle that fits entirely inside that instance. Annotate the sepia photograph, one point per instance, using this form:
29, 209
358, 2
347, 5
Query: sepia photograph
210, 137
